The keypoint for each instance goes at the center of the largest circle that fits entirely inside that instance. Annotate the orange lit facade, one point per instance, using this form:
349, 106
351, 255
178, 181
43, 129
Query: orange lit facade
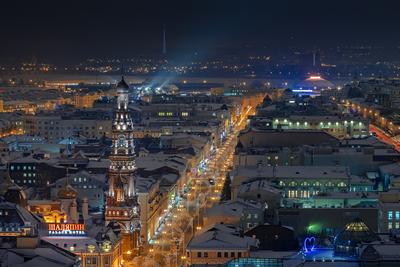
107, 255
54, 216
376, 116
92, 253
86, 100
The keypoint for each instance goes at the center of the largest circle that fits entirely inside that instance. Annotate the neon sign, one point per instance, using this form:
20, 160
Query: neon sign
309, 244
66, 229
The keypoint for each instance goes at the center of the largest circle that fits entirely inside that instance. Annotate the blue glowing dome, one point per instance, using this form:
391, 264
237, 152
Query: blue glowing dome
313, 85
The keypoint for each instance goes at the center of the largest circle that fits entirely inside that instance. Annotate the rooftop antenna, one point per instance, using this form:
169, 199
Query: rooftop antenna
164, 49
313, 62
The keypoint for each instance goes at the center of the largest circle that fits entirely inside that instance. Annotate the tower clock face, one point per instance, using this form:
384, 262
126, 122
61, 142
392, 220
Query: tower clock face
121, 141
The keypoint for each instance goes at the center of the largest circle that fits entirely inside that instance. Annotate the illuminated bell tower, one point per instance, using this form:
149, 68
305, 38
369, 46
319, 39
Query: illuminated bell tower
122, 205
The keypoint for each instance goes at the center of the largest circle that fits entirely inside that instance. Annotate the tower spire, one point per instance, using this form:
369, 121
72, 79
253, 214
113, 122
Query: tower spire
164, 51
122, 205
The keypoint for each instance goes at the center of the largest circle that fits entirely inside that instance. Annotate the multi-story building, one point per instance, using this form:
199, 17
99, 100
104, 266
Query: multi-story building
98, 247
56, 126
243, 214
86, 100
11, 124
88, 185
207, 249
389, 211
278, 148
338, 126
296, 181
35, 172
16, 221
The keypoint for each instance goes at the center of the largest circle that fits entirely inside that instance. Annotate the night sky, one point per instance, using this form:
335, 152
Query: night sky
74, 29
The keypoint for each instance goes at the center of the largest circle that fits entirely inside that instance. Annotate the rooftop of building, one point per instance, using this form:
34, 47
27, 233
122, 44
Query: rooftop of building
18, 215
43, 254
232, 208
390, 169
257, 185
285, 138
218, 239
300, 172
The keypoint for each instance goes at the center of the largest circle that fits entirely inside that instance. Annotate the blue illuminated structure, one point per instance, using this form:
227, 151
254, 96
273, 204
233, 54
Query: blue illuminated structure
256, 262
309, 244
354, 233
312, 86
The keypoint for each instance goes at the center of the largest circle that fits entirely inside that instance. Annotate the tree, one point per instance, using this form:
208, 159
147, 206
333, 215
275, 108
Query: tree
226, 190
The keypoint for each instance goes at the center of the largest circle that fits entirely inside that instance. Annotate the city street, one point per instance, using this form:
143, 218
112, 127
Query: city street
184, 219
384, 137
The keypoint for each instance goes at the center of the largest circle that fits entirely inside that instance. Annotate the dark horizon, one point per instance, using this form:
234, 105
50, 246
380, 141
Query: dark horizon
73, 30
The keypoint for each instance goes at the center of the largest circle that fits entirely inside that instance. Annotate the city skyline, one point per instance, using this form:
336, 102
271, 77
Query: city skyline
100, 29
200, 133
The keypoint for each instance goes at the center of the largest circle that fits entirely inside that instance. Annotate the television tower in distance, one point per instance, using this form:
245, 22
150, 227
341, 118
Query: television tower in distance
164, 48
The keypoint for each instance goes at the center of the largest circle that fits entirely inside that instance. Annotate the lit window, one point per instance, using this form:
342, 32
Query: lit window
185, 114
390, 225
397, 225
397, 215
390, 215
161, 114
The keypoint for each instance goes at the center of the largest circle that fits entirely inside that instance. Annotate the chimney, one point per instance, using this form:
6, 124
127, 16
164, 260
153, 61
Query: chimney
85, 209
73, 212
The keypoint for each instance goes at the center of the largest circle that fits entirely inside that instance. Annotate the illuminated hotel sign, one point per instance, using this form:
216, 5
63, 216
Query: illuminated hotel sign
66, 229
